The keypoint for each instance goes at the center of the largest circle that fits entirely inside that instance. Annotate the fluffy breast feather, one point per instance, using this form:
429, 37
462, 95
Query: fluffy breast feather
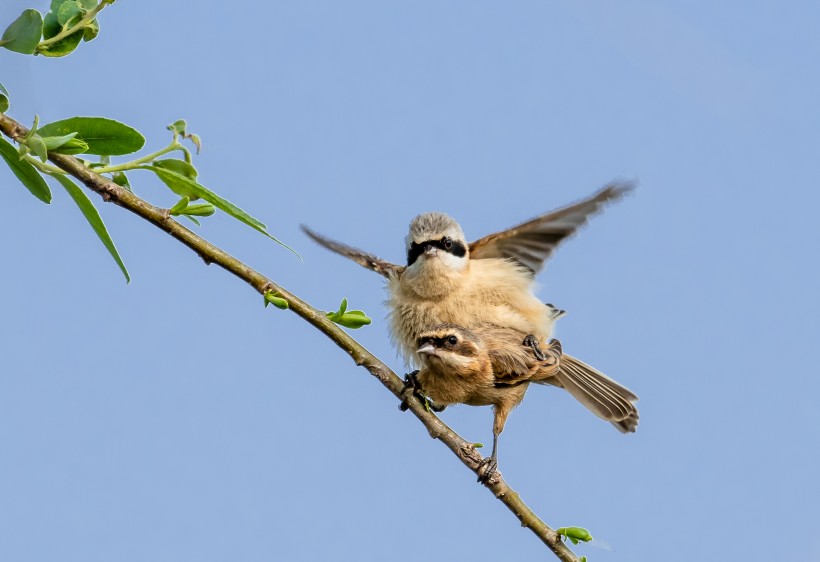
494, 291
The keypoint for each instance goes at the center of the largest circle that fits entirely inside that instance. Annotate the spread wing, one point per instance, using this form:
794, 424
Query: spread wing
361, 257
532, 242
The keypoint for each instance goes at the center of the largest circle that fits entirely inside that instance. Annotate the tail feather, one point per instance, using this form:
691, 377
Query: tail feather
599, 394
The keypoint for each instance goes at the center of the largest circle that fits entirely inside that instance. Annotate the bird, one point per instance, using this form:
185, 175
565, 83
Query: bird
447, 280
488, 365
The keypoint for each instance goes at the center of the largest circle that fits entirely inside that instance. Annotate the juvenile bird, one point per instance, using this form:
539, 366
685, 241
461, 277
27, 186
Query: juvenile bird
491, 366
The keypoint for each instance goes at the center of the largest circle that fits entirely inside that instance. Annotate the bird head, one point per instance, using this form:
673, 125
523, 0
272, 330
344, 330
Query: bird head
436, 236
452, 345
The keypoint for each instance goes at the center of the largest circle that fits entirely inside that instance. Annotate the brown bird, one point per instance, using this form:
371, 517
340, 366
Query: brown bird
492, 366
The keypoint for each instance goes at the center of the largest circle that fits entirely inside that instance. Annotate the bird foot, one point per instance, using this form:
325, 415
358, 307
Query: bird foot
532, 342
487, 468
553, 351
411, 382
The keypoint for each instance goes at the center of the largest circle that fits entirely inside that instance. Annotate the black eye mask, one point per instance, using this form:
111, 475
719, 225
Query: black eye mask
446, 244
447, 341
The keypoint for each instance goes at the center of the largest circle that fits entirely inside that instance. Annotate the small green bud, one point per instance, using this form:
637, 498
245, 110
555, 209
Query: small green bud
200, 210
179, 207
38, 147
178, 126
66, 144
278, 302
575, 534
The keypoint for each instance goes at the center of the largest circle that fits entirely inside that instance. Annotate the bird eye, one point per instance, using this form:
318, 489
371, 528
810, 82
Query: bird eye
447, 243
452, 340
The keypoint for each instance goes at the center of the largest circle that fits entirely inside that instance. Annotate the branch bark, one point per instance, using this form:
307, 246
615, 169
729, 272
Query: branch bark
464, 450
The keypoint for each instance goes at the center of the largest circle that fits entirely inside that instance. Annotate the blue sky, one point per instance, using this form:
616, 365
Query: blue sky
176, 419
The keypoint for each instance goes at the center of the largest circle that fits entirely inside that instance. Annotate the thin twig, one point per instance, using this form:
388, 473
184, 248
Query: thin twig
463, 449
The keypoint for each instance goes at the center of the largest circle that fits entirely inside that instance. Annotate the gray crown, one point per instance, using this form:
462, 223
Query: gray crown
433, 226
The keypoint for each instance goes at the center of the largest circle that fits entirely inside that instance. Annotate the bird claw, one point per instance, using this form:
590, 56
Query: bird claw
412, 382
553, 352
531, 342
487, 468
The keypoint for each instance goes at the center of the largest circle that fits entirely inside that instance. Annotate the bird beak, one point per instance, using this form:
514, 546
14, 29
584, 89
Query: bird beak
430, 251
427, 349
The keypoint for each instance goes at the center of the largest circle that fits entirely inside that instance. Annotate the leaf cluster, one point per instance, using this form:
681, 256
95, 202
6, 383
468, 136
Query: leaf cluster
353, 319
103, 138
59, 32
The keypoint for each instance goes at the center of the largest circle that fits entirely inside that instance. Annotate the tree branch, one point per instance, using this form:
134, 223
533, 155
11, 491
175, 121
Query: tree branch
464, 450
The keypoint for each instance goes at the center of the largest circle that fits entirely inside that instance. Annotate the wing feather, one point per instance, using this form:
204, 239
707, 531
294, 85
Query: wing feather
361, 257
533, 242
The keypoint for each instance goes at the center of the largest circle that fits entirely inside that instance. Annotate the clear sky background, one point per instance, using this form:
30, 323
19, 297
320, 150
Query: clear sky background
177, 419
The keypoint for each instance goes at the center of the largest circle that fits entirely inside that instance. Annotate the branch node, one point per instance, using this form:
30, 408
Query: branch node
469, 452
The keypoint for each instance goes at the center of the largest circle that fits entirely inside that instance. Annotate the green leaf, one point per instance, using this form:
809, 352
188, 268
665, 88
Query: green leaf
51, 27
93, 217
121, 179
179, 207
178, 127
188, 188
63, 47
353, 319
4, 99
69, 13
91, 30
88, 5
25, 172
181, 167
38, 146
353, 322
23, 35
575, 534
104, 137
275, 300
56, 142
193, 220
177, 183
200, 210
73, 146
196, 140
478, 445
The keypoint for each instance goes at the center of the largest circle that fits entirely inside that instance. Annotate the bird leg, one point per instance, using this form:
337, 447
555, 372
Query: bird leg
489, 465
412, 382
